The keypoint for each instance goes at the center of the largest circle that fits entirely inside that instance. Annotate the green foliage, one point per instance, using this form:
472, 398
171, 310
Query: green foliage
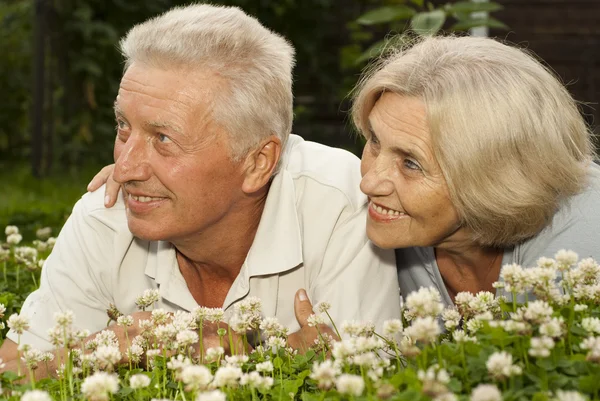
421, 18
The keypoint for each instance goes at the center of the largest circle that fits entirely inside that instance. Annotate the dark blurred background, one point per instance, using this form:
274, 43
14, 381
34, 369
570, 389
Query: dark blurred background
60, 71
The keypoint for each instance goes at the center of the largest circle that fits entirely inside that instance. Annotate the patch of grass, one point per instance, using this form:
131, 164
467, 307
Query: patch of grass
30, 203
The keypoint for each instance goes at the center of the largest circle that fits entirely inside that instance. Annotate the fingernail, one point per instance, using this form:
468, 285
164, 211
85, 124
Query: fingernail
302, 295
89, 185
107, 199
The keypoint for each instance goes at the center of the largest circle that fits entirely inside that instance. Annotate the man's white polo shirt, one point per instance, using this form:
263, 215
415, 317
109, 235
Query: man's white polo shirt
311, 235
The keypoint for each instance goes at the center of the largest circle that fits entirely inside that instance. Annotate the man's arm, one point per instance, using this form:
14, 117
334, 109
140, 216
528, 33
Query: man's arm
74, 277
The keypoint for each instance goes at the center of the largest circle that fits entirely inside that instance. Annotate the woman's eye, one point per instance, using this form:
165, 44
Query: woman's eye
411, 165
163, 138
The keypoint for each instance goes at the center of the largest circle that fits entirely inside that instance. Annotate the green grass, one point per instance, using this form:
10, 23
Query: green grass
30, 203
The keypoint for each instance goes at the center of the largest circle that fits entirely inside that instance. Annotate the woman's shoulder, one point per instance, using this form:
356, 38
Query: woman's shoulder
575, 226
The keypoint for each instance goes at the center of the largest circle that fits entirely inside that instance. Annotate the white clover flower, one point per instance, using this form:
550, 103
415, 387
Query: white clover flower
241, 323
107, 356
36, 395
459, 336
195, 377
348, 384
9, 230
2, 310
4, 256
184, 321
215, 315
18, 323
580, 307
515, 278
344, 349
537, 311
270, 326
451, 318
423, 303
541, 346
213, 354
553, 328
569, 396
591, 325
125, 321
64, 319
315, 320
227, 376
500, 365
434, 381
592, 344
355, 328
43, 233
14, 239
148, 298
425, 329
99, 386
255, 380
106, 337
486, 392
264, 367
566, 259
51, 242
323, 307
135, 352
160, 316
178, 362
165, 333
275, 343
215, 395
186, 338
391, 328
367, 359
236, 360
139, 381
31, 357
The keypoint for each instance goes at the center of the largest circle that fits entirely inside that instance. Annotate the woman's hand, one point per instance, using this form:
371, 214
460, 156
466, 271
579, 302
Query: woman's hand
111, 191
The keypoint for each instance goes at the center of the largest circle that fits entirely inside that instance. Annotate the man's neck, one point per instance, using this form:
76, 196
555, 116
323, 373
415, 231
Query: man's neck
222, 249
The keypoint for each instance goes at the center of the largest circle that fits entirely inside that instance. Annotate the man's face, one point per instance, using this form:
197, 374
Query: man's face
171, 157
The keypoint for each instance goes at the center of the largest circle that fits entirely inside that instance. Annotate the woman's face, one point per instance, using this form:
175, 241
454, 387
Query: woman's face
409, 203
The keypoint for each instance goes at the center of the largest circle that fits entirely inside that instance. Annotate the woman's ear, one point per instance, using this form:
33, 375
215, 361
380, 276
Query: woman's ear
260, 164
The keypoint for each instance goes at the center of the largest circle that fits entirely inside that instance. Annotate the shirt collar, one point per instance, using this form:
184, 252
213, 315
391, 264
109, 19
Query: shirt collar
277, 246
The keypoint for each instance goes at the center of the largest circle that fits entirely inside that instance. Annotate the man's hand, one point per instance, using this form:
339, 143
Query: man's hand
112, 187
304, 338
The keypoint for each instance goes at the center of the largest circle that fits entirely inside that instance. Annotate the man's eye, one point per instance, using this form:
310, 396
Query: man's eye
163, 138
121, 125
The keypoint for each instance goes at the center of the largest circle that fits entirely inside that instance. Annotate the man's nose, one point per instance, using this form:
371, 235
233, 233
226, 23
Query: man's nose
377, 181
133, 163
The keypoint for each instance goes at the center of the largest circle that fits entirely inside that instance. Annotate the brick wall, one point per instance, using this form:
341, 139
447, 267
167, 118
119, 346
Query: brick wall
566, 34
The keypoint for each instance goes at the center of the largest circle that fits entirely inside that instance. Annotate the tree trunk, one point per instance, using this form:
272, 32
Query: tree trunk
37, 135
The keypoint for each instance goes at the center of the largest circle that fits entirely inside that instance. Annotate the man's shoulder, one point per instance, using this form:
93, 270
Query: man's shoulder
328, 168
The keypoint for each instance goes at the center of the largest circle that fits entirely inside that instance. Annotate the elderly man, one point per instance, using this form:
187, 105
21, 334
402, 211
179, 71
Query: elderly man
219, 202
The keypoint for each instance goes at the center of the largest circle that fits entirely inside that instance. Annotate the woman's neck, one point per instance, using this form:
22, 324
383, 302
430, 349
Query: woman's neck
472, 269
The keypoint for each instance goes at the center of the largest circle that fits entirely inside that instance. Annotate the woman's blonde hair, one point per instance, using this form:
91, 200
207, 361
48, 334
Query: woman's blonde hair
256, 63
509, 138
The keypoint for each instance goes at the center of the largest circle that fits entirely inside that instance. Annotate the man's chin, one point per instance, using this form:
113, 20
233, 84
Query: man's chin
144, 233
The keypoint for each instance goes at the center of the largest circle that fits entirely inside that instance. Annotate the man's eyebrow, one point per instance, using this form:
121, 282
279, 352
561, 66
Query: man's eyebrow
117, 109
160, 125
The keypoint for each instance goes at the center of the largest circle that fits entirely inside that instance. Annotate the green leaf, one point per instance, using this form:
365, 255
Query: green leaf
418, 3
546, 364
387, 14
277, 362
376, 49
472, 7
540, 397
428, 23
589, 384
476, 22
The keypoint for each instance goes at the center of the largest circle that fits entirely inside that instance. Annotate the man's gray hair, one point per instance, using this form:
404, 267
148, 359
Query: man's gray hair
255, 62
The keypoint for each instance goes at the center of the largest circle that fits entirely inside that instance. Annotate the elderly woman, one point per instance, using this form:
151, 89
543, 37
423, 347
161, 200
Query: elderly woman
476, 157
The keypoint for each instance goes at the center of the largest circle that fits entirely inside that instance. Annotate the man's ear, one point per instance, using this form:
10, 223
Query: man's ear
260, 164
